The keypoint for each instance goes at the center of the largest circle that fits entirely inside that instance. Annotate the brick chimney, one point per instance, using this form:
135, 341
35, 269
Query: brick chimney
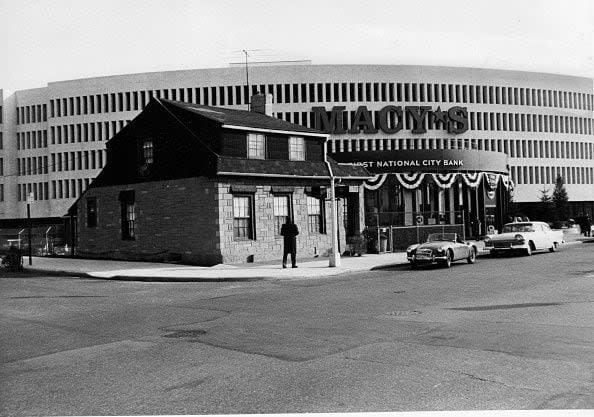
262, 103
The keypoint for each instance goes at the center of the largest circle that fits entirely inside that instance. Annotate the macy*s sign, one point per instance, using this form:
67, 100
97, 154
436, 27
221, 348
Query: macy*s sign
390, 119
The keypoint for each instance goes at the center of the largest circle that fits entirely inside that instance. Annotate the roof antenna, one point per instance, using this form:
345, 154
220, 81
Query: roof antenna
247, 78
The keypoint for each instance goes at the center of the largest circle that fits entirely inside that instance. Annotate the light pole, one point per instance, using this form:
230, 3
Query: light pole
334, 260
30, 199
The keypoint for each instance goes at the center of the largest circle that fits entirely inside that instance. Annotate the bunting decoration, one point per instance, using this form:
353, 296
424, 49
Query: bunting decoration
472, 179
410, 181
375, 182
444, 180
507, 182
492, 180
413, 180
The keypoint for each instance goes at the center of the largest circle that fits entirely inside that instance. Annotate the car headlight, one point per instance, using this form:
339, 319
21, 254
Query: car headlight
519, 239
488, 241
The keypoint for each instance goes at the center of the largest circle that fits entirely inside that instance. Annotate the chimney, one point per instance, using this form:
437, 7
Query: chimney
262, 103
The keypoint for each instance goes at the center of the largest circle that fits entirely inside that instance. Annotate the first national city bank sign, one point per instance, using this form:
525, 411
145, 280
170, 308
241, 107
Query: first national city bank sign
390, 119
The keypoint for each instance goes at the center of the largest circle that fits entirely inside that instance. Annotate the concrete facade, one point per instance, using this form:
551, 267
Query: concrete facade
54, 136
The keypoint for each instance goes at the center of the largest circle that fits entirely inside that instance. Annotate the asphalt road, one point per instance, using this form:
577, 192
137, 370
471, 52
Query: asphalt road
505, 333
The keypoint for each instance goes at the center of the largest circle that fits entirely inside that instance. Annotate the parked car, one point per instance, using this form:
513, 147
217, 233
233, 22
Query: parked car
443, 249
525, 237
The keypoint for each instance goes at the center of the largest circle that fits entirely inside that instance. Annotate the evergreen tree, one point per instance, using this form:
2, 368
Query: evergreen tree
560, 200
546, 206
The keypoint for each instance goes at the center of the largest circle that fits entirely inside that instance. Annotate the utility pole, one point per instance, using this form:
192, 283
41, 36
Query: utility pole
247, 78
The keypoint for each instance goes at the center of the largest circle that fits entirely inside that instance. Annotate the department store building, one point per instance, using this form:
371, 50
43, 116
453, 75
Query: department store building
444, 144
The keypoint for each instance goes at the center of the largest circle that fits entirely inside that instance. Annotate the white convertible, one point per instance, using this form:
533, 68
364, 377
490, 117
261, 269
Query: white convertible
525, 237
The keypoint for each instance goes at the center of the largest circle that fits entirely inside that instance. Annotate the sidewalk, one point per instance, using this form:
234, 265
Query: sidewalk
148, 271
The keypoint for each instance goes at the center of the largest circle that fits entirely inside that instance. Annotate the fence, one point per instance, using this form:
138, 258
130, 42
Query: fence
45, 240
390, 231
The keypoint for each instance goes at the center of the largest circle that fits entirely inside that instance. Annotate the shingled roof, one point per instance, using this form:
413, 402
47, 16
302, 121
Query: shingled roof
242, 118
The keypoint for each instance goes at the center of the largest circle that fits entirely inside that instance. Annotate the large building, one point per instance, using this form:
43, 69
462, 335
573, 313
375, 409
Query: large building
52, 139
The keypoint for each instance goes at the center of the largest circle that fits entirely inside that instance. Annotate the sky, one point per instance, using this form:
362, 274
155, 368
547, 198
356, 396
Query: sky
55, 40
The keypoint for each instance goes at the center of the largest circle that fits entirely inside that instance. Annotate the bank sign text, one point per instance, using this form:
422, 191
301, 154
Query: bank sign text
390, 119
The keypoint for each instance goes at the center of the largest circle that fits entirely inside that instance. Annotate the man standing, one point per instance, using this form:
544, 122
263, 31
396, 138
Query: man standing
289, 231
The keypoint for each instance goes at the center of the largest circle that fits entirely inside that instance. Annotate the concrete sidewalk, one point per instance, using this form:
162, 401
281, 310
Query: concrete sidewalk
147, 271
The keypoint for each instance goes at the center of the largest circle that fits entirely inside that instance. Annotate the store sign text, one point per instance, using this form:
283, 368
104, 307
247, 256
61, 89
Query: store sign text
390, 119
412, 163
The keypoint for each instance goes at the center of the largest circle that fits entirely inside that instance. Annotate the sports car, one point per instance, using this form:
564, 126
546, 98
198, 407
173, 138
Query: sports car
443, 249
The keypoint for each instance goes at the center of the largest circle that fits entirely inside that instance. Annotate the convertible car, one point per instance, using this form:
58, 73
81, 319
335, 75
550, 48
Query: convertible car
441, 248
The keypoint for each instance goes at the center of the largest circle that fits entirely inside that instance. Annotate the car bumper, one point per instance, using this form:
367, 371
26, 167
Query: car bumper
432, 259
507, 248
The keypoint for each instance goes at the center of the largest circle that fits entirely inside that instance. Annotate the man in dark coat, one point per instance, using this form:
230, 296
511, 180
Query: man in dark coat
289, 231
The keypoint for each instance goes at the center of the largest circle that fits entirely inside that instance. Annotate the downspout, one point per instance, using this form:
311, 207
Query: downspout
334, 260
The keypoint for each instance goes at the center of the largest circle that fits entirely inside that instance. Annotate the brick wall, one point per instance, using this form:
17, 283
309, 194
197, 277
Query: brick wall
175, 220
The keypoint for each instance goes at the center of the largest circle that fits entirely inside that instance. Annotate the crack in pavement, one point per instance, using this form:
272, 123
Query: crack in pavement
472, 376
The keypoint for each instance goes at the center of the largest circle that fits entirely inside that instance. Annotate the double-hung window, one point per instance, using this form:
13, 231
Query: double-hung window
147, 152
243, 221
92, 212
128, 215
282, 211
256, 146
315, 215
296, 148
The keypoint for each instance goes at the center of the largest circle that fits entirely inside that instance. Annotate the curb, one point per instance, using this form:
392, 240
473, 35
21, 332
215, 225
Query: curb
141, 278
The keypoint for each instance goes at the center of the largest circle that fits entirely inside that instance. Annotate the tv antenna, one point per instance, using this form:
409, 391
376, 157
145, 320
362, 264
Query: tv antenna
247, 77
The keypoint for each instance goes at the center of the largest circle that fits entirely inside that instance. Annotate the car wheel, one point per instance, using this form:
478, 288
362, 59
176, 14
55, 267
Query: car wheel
554, 247
448, 260
528, 250
471, 256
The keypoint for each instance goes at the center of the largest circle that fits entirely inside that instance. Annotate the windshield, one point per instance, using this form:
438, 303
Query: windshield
518, 227
441, 237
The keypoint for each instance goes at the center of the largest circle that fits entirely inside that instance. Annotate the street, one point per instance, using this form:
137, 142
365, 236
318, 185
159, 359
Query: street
505, 333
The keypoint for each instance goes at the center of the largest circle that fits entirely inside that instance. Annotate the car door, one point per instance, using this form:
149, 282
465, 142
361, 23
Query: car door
460, 248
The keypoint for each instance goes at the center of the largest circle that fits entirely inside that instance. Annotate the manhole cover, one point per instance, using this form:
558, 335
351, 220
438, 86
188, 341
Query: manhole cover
181, 334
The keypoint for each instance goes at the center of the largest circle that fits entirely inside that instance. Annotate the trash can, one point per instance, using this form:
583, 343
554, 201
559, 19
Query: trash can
383, 243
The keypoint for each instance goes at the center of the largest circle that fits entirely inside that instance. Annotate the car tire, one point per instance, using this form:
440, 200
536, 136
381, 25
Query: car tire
471, 256
448, 261
528, 250
554, 247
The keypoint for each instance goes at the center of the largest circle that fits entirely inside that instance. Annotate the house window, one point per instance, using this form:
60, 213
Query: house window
128, 215
147, 152
296, 148
92, 212
256, 147
314, 215
281, 208
243, 217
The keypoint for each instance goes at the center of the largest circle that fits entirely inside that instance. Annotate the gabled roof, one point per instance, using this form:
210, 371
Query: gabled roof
242, 118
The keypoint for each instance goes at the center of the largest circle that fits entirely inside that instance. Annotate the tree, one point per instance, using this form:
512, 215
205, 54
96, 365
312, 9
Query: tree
546, 206
560, 200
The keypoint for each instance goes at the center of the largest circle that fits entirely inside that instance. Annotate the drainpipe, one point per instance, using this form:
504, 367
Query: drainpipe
334, 260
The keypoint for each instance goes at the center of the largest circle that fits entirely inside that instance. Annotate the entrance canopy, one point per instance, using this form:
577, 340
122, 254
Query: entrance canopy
443, 166
426, 160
